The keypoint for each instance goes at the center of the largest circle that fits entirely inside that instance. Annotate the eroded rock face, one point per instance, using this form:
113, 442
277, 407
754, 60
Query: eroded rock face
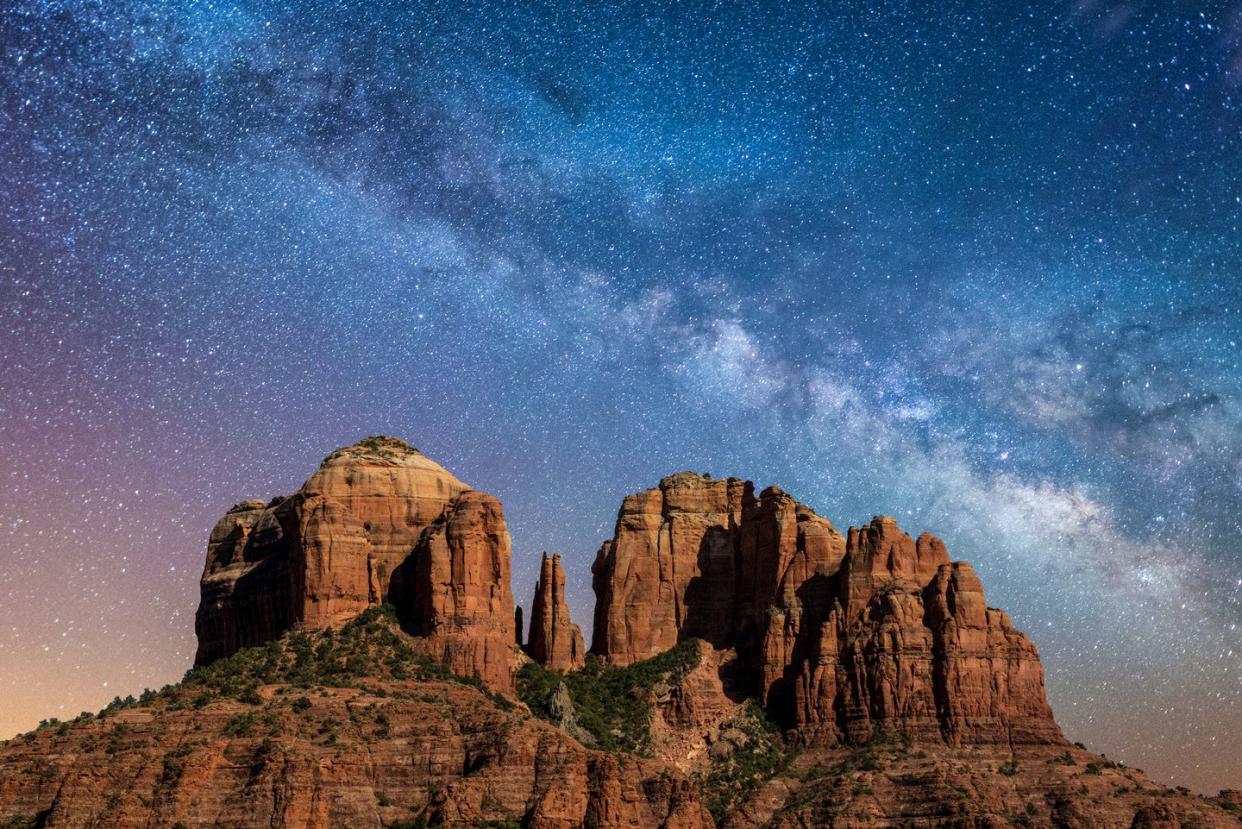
323, 554
845, 636
377, 522
458, 594
555, 641
247, 584
668, 572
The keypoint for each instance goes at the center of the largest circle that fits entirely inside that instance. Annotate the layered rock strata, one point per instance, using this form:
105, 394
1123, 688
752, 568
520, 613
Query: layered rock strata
845, 636
410, 752
377, 522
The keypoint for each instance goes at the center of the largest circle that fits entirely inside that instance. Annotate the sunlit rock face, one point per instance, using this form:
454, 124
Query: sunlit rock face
844, 636
377, 522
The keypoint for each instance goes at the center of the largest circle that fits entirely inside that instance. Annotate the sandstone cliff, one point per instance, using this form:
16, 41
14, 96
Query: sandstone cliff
555, 641
845, 637
458, 595
377, 522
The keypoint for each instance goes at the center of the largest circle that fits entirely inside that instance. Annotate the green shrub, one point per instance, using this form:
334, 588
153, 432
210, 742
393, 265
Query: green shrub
732, 778
241, 725
608, 700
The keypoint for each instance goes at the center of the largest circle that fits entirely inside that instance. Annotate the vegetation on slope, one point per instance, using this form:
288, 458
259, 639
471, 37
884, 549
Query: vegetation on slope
611, 703
749, 751
367, 648
361, 654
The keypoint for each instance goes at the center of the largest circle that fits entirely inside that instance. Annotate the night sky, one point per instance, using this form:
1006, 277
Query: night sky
976, 266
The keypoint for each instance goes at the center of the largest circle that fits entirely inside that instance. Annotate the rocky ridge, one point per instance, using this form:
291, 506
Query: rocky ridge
843, 636
360, 664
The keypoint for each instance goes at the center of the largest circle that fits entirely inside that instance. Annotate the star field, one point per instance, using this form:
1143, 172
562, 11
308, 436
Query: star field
975, 265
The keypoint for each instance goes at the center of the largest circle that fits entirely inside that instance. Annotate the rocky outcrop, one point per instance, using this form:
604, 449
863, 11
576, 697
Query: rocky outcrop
247, 584
377, 522
859, 644
668, 572
555, 641
457, 596
323, 554
845, 637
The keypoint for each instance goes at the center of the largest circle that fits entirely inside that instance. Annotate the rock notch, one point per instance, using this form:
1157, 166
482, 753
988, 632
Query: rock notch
555, 641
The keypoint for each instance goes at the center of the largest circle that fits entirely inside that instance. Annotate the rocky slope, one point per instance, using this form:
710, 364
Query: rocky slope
348, 728
360, 666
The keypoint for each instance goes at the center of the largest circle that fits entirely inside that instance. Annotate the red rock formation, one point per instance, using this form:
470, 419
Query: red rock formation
868, 637
322, 555
555, 641
846, 637
880, 553
377, 522
461, 601
668, 571
988, 679
247, 584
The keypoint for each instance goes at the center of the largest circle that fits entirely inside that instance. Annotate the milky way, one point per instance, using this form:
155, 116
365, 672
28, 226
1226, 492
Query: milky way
978, 267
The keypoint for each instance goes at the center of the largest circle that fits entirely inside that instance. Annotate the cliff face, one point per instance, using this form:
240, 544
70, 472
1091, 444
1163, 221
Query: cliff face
669, 571
377, 522
458, 595
555, 641
845, 637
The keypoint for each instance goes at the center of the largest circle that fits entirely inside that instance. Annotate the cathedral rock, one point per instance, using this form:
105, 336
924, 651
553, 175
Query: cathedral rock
752, 667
